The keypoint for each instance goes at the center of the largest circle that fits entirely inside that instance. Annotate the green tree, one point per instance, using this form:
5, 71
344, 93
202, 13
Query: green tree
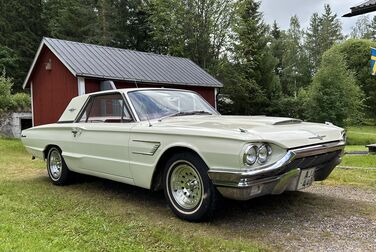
312, 42
105, 28
334, 95
71, 20
277, 46
239, 96
372, 29
194, 29
131, 25
8, 59
330, 29
362, 28
254, 60
5, 92
356, 54
295, 65
21, 29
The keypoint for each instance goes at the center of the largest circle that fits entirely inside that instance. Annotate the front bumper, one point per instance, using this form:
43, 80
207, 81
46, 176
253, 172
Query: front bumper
280, 176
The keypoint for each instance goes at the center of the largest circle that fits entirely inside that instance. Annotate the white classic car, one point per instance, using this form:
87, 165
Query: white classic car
174, 140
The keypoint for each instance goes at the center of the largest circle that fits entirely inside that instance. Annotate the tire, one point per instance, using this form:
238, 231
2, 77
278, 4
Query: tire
57, 169
188, 189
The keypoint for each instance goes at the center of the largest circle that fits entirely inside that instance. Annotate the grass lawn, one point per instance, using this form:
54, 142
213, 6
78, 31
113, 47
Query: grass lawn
100, 215
361, 135
350, 148
92, 215
353, 177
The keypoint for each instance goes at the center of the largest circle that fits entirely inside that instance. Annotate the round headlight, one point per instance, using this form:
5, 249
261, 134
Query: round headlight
344, 137
270, 151
250, 155
263, 154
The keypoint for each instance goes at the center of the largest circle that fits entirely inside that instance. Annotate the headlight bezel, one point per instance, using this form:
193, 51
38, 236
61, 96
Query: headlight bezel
265, 148
262, 154
249, 148
344, 135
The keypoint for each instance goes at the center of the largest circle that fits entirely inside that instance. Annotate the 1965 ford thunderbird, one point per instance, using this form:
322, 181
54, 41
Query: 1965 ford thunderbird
174, 140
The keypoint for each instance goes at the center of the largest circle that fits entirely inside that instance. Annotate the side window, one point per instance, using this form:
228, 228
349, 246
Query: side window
109, 108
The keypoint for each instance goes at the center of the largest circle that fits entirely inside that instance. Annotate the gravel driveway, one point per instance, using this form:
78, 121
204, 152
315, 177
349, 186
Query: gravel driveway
321, 218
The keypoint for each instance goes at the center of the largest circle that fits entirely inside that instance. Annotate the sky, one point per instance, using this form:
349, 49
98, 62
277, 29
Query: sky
282, 10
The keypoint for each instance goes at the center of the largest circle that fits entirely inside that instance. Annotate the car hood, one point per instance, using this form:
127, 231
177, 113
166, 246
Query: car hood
286, 132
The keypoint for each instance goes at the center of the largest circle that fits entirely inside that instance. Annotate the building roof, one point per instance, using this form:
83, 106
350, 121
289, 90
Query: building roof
365, 7
94, 61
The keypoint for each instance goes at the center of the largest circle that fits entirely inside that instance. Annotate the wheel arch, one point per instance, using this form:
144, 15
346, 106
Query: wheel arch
157, 178
48, 148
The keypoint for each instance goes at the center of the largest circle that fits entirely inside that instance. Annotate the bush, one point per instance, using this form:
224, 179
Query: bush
5, 93
19, 101
334, 95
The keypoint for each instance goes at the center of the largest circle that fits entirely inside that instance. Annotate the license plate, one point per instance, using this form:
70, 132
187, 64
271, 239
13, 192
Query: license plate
306, 178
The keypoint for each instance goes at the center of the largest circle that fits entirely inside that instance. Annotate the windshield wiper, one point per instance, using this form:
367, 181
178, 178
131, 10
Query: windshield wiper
194, 112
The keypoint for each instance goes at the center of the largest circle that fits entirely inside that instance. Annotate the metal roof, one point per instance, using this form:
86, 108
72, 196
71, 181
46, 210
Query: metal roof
95, 61
363, 8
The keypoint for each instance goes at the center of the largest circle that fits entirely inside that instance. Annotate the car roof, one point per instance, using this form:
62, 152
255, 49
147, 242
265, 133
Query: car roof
127, 90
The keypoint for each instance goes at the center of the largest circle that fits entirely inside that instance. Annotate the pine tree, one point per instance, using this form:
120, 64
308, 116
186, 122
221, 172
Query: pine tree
131, 25
312, 42
276, 31
277, 47
71, 20
330, 29
334, 95
254, 59
105, 16
21, 30
250, 38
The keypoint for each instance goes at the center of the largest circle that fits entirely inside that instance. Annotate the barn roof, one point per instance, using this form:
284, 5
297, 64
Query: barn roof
95, 61
363, 8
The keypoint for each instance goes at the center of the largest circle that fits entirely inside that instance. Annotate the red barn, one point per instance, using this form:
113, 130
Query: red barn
64, 69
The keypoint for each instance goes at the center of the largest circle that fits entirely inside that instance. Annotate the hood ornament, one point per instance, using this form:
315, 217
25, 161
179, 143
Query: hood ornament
317, 136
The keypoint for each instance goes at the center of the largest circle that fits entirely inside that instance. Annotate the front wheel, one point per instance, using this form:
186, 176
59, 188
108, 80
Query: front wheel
188, 189
57, 169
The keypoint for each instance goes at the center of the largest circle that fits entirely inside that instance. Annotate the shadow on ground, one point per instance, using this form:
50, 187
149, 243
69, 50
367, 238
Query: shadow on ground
290, 206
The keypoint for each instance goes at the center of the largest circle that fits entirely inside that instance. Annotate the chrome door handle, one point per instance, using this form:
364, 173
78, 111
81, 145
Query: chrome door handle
77, 130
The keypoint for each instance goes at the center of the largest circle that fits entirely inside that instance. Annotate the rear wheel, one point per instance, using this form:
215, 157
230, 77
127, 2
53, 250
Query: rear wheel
188, 189
57, 169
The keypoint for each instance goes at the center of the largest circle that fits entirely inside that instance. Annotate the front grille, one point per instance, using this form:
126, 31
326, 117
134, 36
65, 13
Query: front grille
313, 161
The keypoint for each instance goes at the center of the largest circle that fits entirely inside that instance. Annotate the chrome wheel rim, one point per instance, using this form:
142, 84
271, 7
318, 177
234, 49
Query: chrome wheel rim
55, 164
186, 186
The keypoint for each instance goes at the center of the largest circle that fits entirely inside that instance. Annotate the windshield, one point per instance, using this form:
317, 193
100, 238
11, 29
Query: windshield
156, 104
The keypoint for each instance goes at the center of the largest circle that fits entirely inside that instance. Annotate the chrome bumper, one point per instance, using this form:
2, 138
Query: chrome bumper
275, 178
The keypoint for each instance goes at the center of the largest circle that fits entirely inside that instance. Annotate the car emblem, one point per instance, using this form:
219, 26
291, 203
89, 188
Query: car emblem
318, 137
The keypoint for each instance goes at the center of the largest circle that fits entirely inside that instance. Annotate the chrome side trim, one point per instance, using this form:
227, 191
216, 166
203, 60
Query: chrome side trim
241, 177
151, 152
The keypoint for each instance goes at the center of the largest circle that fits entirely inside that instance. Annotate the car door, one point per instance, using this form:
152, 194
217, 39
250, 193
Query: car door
101, 136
